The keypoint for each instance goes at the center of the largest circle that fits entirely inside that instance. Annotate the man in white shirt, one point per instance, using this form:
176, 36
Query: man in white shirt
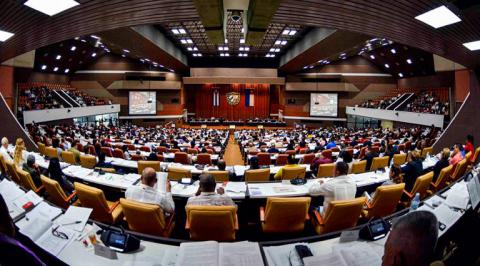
206, 195
341, 187
4, 150
147, 192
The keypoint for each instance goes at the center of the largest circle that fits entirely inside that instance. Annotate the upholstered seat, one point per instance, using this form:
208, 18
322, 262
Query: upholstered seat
399, 159
144, 164
107, 151
441, 181
384, 202
340, 215
421, 186
12, 172
118, 153
147, 218
293, 172
69, 157
326, 170
88, 161
459, 170
192, 151
204, 158
51, 152
282, 159
425, 151
284, 215
379, 162
41, 148
55, 193
103, 211
177, 173
181, 157
27, 182
257, 175
359, 167
263, 158
217, 223
220, 176
308, 158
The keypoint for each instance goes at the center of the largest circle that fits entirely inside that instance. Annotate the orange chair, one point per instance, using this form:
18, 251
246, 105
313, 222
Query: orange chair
257, 175
459, 170
161, 149
145, 149
192, 151
118, 153
263, 158
327, 154
103, 211
474, 159
144, 164
290, 152
147, 218
217, 223
56, 195
340, 215
136, 157
384, 202
308, 158
326, 170
421, 186
204, 158
181, 157
441, 181
107, 151
282, 159
285, 215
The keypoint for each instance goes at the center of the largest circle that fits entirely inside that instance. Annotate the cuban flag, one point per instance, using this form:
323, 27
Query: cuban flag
249, 98
216, 98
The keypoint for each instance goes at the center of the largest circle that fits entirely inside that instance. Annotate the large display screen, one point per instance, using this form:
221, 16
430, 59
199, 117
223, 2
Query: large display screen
142, 103
324, 104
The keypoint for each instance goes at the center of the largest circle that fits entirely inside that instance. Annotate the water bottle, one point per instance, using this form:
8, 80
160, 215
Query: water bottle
415, 202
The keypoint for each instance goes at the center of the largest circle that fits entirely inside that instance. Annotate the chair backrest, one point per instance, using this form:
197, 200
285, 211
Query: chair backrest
204, 158
290, 152
79, 147
302, 150
131, 147
41, 148
136, 157
363, 150
144, 164
180, 157
422, 184
379, 162
144, 218
177, 173
468, 156
161, 149
327, 154
326, 170
386, 200
3, 166
474, 159
173, 150
460, 169
68, 157
26, 179
425, 151
286, 215
220, 176
56, 195
88, 161
263, 158
342, 214
399, 159
91, 197
293, 172
282, 159
118, 153
192, 151
257, 175
12, 172
359, 167
91, 150
107, 151
443, 176
308, 158
145, 149
51, 152
212, 222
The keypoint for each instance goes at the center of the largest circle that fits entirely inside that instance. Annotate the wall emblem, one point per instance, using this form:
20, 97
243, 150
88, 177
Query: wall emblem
233, 98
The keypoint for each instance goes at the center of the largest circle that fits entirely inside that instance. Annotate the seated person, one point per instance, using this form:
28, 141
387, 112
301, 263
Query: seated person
395, 176
412, 240
254, 163
222, 166
290, 163
147, 191
32, 168
4, 150
469, 145
329, 188
456, 154
126, 154
206, 195
76, 153
412, 170
55, 173
319, 159
369, 155
273, 149
442, 163
152, 157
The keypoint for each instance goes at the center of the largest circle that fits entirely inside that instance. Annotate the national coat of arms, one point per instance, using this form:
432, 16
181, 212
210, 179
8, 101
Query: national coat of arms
233, 98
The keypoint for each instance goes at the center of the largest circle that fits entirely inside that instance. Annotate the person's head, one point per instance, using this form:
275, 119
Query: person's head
414, 155
291, 159
254, 163
221, 165
346, 157
457, 148
149, 177
395, 174
207, 183
4, 142
101, 157
445, 153
30, 160
7, 227
412, 240
470, 139
341, 168
55, 143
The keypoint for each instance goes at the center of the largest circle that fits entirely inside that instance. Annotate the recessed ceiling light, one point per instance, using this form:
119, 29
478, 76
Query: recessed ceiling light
94, 54
409, 61
95, 37
146, 59
58, 57
277, 42
124, 56
247, 48
241, 48
189, 48
225, 48
227, 54
55, 69
195, 48
189, 41
226, 40
126, 51
220, 48
242, 40
393, 51
387, 65
283, 42
439, 17
199, 54
286, 32
272, 49
67, 70
400, 75
222, 54
44, 67
182, 31
243, 30
175, 31
5, 35
194, 55
51, 7
73, 48
277, 50
183, 41
472, 46
292, 32
372, 56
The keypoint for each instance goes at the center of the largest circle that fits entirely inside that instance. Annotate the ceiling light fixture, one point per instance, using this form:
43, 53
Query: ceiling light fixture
58, 57
285, 32
438, 17
400, 75
67, 70
242, 40
55, 69
95, 37
189, 41
409, 61
283, 42
5, 35
292, 32
73, 48
189, 48
94, 54
226, 40
51, 7
183, 41
44, 67
175, 31
387, 65
126, 51
393, 51
472, 46
182, 31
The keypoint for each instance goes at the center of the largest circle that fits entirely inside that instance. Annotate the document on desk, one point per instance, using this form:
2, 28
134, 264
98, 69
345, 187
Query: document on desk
358, 254
198, 254
446, 215
55, 244
333, 259
30, 196
74, 218
44, 211
10, 191
236, 187
36, 228
458, 196
284, 189
240, 254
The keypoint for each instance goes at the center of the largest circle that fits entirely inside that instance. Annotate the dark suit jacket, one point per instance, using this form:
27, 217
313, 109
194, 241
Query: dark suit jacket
34, 174
411, 172
369, 158
438, 167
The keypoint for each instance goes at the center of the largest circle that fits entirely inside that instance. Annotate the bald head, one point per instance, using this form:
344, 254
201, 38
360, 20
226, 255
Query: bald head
412, 240
149, 177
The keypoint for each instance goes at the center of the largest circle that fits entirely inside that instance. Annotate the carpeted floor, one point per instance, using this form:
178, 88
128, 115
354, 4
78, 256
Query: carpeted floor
232, 155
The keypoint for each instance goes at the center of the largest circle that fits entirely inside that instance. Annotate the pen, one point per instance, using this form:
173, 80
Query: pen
76, 222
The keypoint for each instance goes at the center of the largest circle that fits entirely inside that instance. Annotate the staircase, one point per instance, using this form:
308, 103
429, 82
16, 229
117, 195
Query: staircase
69, 98
399, 101
61, 99
407, 100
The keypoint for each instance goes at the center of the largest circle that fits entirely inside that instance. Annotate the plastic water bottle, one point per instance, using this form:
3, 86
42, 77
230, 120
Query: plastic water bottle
415, 202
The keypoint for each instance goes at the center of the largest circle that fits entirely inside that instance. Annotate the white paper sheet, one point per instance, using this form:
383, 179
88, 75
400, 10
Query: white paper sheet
44, 211
240, 254
198, 254
72, 215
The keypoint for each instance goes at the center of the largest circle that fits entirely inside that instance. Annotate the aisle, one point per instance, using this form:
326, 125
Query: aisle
232, 155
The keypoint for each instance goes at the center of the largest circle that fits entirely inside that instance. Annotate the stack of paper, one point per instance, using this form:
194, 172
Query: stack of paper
74, 218
44, 211
236, 187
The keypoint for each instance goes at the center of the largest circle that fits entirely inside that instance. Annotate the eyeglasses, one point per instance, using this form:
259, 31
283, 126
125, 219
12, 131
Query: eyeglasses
58, 234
